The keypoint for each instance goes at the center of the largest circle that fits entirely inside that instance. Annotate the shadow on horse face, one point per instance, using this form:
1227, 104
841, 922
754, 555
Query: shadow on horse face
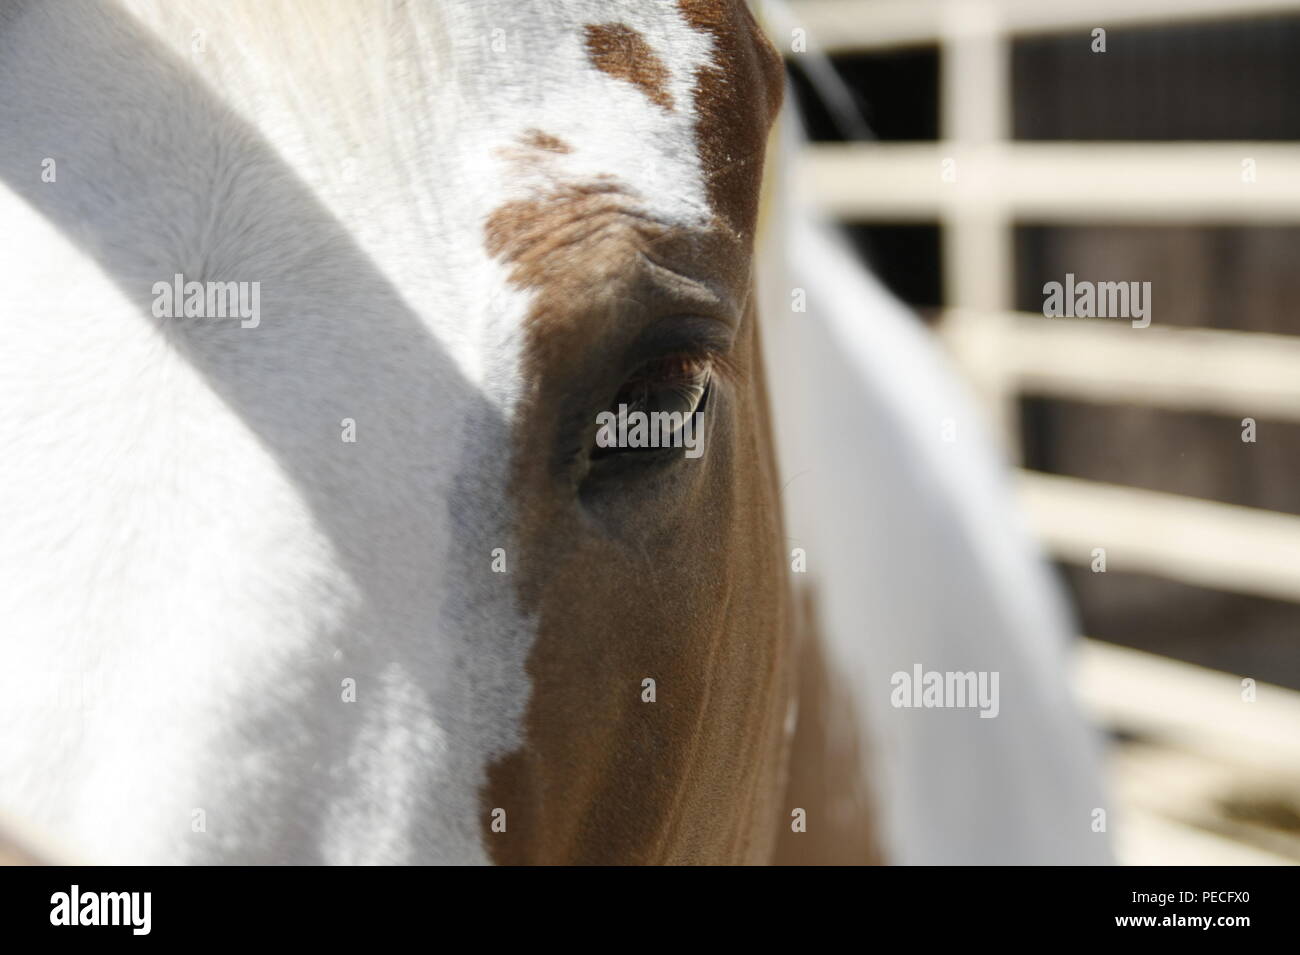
350, 348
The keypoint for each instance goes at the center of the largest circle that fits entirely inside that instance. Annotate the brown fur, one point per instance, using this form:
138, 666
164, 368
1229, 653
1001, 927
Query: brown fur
536, 139
542, 235
679, 577
736, 99
622, 52
825, 772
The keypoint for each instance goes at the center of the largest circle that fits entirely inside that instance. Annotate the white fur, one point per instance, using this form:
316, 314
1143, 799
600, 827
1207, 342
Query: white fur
193, 561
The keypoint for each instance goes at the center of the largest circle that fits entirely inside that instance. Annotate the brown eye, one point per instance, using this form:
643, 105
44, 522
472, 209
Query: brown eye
674, 385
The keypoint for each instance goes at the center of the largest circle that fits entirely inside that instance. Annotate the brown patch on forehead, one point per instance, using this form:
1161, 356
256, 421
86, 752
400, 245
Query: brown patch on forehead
622, 52
536, 139
582, 242
534, 151
574, 228
736, 99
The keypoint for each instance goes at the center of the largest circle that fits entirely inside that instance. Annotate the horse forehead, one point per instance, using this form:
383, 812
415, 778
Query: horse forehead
641, 119
601, 90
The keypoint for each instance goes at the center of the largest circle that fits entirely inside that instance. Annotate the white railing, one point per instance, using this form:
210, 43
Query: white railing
856, 25
1250, 374
1056, 182
1200, 748
977, 184
1202, 738
1221, 546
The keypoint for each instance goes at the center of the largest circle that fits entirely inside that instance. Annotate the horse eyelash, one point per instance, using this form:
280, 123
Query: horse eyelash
721, 366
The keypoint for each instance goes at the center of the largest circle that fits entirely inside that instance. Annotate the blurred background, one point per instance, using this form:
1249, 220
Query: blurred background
974, 150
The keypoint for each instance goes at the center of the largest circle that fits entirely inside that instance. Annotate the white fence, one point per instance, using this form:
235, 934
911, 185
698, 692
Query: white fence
978, 184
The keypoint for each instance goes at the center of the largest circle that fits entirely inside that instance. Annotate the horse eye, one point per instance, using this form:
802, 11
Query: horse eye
674, 383
668, 389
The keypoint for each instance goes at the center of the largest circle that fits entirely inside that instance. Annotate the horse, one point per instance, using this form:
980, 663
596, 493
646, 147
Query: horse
339, 574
